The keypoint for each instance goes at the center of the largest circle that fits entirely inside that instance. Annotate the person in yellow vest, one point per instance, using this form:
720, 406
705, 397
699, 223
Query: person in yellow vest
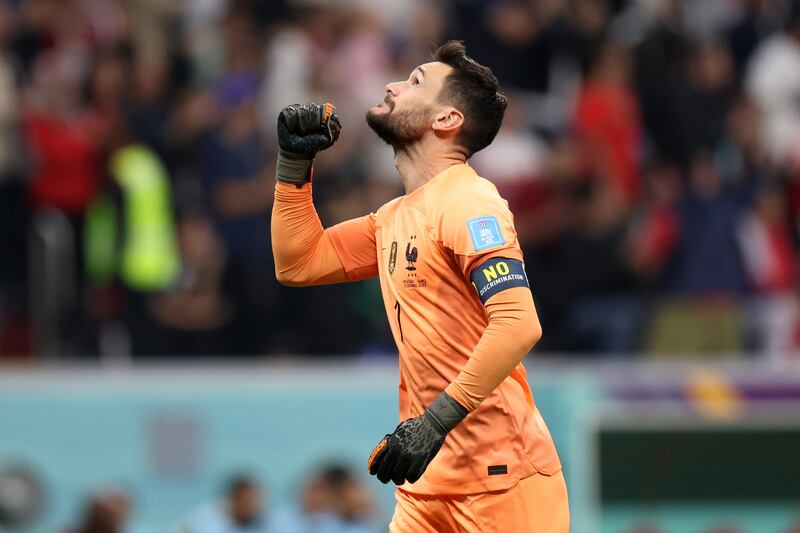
130, 236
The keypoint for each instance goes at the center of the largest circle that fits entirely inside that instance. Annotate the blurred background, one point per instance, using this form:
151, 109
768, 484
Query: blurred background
155, 377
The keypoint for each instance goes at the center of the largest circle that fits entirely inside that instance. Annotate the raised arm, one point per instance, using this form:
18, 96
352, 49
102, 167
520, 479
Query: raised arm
305, 253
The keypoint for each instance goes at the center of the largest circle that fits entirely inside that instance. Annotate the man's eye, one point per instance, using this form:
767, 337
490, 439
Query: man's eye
415, 81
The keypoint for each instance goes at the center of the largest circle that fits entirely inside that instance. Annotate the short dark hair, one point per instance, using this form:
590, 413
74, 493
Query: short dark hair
473, 89
337, 474
238, 483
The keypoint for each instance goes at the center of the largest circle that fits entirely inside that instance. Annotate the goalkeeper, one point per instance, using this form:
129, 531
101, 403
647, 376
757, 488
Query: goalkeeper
472, 452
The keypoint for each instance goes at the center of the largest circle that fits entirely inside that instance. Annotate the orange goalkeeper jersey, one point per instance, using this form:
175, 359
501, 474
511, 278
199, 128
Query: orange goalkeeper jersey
425, 247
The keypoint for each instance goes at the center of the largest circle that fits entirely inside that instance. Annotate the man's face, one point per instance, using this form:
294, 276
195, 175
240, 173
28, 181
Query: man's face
408, 109
245, 505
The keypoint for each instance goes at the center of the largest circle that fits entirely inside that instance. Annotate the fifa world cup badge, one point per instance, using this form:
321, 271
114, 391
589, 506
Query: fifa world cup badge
485, 233
392, 257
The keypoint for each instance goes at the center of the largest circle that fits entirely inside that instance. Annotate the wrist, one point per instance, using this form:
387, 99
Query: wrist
289, 192
445, 413
457, 392
293, 168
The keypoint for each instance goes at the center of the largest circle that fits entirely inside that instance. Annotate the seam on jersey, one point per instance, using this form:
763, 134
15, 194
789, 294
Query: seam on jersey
506, 245
472, 503
336, 243
519, 431
451, 258
486, 527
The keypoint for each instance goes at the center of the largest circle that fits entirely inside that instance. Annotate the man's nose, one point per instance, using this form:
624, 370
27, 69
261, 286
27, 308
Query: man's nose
393, 88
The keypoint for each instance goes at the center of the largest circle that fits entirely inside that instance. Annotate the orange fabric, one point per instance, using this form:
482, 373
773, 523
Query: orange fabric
513, 327
425, 254
422, 248
537, 504
304, 252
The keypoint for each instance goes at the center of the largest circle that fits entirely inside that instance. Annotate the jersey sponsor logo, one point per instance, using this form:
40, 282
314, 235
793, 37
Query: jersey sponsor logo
498, 274
485, 233
392, 257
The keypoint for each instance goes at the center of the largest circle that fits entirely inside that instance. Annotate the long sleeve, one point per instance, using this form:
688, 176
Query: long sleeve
512, 331
306, 254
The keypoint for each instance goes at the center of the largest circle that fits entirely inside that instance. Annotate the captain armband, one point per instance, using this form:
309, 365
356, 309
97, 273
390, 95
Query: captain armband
498, 274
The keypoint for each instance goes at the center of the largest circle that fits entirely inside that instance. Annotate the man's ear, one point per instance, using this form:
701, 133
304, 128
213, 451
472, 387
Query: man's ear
447, 120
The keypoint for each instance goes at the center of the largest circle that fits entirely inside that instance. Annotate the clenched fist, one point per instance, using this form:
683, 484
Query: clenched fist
304, 130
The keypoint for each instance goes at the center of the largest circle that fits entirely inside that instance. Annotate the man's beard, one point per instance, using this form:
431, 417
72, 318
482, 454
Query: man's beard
401, 129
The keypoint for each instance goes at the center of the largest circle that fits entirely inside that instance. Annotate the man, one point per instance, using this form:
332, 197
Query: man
472, 452
239, 512
332, 500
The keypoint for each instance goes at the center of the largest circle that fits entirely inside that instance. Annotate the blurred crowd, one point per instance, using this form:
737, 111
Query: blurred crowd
650, 154
332, 499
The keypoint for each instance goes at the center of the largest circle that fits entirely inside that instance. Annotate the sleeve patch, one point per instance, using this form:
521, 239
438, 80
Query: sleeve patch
498, 274
485, 233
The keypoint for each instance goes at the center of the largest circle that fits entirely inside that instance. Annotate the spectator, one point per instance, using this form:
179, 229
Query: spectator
603, 317
770, 260
195, 314
607, 122
505, 35
108, 511
707, 280
239, 512
662, 85
98, 518
710, 76
757, 20
708, 260
657, 227
773, 81
516, 161
233, 168
61, 142
62, 145
767, 245
131, 237
332, 501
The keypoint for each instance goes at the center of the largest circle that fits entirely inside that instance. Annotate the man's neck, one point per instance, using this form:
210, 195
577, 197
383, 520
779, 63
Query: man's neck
419, 164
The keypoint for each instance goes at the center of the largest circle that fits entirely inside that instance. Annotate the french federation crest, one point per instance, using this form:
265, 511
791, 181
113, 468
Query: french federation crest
411, 254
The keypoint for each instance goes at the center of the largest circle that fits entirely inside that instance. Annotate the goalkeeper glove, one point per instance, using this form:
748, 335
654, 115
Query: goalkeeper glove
406, 453
304, 130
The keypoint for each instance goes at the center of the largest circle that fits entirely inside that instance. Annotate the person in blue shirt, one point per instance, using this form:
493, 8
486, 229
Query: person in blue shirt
240, 511
332, 500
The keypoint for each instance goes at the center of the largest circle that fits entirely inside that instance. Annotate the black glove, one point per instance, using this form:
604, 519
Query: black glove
304, 130
406, 453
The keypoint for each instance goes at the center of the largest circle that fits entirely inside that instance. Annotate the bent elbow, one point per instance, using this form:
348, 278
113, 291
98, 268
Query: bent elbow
287, 278
531, 334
